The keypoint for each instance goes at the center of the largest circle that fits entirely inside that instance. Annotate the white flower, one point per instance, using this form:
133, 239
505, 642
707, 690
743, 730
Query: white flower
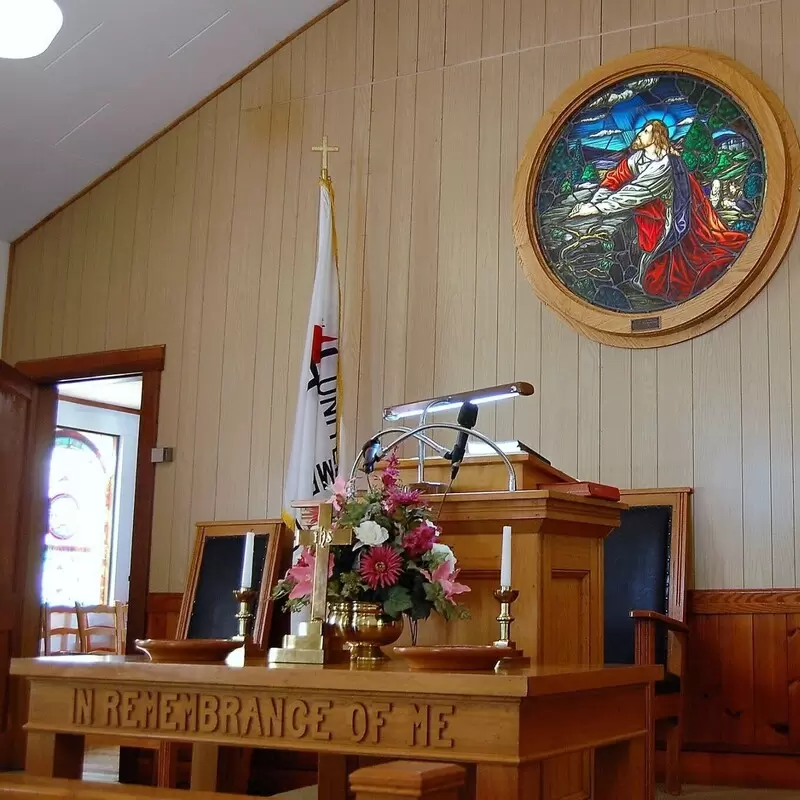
370, 533
443, 550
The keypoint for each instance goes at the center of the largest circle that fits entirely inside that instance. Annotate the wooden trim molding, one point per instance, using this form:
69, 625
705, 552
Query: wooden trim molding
757, 770
139, 581
761, 255
747, 601
4, 332
81, 401
95, 365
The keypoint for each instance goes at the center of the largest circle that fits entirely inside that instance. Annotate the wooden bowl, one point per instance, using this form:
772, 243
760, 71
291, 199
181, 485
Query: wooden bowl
187, 651
456, 658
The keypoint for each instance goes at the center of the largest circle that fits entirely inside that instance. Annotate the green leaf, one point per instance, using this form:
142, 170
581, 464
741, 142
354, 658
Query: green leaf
397, 601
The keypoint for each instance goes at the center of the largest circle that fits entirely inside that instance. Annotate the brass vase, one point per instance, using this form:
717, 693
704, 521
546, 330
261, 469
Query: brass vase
368, 629
339, 612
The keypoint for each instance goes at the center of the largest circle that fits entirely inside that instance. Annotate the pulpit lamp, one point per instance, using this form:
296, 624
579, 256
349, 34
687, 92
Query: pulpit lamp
434, 405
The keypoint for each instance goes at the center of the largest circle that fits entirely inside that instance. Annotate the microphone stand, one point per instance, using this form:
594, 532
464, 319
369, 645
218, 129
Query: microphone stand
417, 433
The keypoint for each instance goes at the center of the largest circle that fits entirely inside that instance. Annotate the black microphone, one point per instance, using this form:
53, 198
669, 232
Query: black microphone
372, 454
467, 417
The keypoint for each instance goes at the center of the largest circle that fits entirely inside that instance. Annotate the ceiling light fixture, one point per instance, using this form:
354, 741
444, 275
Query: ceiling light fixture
28, 27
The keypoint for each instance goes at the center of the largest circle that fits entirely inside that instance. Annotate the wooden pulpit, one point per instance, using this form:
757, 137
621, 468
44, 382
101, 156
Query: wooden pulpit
557, 566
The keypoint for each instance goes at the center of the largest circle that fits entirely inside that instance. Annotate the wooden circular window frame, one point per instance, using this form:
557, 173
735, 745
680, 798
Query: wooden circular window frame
760, 257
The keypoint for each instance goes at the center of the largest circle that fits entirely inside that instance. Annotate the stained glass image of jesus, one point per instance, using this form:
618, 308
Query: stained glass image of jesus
650, 193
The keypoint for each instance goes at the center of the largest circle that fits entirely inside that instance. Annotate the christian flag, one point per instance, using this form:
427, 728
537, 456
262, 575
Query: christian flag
313, 461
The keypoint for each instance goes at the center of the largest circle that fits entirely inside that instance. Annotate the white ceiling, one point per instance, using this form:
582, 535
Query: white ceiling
117, 73
125, 391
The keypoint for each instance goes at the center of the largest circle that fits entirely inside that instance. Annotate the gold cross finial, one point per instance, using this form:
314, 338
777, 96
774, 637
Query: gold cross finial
324, 148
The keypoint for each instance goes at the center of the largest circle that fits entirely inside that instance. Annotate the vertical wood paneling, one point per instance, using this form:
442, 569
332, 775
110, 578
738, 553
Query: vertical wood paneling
96, 271
770, 675
173, 288
588, 467
507, 268
528, 419
378, 225
401, 204
242, 305
137, 293
77, 254
785, 537
455, 290
44, 305
122, 256
736, 664
421, 337
182, 527
61, 276
793, 676
206, 242
206, 431
262, 472
490, 217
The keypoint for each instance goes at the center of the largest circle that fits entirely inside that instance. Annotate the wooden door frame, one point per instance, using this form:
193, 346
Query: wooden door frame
149, 362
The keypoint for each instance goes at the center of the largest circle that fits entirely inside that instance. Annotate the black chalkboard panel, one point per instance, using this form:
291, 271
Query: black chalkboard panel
637, 563
213, 613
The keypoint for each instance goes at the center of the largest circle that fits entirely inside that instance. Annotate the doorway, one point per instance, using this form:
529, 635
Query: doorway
87, 547
147, 364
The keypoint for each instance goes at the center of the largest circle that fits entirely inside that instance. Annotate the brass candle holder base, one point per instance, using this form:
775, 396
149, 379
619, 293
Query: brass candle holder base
505, 595
244, 616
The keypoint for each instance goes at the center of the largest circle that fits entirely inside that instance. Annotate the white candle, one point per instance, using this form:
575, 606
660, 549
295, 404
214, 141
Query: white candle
247, 562
505, 557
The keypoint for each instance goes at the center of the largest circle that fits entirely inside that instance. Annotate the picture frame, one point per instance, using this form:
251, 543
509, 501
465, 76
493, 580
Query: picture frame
208, 607
625, 303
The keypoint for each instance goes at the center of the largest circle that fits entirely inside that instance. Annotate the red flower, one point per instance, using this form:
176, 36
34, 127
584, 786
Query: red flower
381, 567
391, 475
398, 497
420, 540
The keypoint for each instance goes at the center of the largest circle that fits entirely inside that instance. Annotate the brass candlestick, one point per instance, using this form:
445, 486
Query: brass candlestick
505, 595
244, 615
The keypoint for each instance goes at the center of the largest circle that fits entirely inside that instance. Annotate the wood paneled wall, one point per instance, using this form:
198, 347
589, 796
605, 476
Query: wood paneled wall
205, 242
742, 672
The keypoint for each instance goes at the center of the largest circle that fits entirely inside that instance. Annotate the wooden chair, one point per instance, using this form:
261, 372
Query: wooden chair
59, 630
645, 605
101, 629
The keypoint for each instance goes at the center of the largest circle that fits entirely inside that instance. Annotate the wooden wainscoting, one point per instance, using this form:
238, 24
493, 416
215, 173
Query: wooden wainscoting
743, 689
163, 609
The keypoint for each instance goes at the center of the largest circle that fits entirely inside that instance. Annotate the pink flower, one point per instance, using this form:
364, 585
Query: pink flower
399, 497
420, 540
391, 474
302, 573
381, 567
339, 489
446, 576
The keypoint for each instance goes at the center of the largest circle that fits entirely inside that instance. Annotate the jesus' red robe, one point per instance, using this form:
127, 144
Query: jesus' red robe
701, 256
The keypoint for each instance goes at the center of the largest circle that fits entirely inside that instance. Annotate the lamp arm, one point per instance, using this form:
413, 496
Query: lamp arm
417, 432
440, 449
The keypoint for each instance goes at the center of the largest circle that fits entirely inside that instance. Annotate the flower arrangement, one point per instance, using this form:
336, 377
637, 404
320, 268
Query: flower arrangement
395, 559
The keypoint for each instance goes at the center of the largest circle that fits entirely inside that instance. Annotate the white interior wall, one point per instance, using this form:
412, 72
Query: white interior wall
4, 251
126, 426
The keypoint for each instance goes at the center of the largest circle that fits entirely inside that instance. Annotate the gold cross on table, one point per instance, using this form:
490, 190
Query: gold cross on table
322, 535
325, 149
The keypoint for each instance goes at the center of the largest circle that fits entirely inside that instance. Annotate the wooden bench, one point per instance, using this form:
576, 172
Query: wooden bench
19, 786
425, 780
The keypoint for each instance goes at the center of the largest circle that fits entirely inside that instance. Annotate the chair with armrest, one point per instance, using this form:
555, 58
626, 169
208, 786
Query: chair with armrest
645, 604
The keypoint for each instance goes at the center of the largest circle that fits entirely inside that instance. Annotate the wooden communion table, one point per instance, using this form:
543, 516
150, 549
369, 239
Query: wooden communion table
505, 724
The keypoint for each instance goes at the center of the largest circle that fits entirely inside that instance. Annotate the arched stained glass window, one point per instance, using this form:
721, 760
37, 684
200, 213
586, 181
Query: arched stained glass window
81, 519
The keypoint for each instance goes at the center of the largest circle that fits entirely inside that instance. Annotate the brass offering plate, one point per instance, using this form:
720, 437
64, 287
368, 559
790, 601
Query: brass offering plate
187, 651
457, 658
